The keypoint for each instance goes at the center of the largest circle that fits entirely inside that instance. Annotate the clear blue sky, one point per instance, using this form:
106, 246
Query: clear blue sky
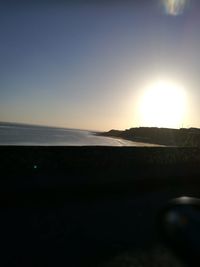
85, 65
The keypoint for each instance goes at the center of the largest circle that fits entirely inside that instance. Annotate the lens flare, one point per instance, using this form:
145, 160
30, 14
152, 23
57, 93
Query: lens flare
175, 7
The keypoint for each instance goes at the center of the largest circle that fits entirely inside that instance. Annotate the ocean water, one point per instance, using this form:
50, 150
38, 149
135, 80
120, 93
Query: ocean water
21, 134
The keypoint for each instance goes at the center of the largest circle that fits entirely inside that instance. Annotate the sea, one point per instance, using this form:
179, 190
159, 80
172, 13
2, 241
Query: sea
33, 135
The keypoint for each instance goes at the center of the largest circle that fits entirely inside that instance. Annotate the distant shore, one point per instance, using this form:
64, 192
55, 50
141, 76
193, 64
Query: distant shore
158, 136
130, 142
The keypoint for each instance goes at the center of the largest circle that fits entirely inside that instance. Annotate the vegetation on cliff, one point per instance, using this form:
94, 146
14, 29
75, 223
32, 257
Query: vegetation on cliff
162, 136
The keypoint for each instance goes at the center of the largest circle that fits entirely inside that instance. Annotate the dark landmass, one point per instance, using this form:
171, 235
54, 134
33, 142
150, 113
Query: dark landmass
80, 206
95, 166
161, 136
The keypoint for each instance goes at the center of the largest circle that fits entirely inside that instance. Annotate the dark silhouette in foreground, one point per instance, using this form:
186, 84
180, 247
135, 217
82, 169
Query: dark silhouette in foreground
87, 206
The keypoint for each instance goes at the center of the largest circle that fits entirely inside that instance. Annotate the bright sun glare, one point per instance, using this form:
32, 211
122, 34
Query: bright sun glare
163, 105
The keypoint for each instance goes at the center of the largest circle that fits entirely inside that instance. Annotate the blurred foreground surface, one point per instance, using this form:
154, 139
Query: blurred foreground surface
90, 206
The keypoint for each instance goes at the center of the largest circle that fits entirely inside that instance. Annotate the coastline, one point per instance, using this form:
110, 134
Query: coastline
133, 142
27, 135
158, 136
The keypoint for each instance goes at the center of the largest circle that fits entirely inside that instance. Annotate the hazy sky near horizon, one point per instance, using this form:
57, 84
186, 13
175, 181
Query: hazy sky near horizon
87, 65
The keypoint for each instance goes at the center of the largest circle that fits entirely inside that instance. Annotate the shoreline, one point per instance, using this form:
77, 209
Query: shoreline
140, 142
158, 136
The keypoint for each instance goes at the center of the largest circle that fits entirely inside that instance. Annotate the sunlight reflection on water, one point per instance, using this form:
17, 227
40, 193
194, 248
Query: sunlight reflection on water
46, 136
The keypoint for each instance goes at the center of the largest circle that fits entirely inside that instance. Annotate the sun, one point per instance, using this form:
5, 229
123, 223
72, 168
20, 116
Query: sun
163, 104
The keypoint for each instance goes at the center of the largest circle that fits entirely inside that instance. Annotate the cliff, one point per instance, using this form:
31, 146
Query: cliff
162, 136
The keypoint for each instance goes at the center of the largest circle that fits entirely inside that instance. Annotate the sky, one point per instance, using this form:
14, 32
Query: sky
88, 64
